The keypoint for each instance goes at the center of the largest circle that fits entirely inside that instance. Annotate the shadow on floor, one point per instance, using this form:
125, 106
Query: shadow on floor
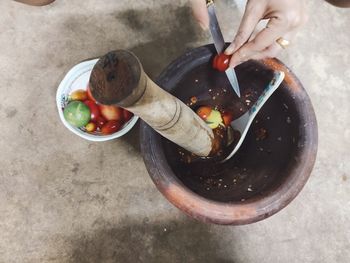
188, 241
156, 35
170, 35
133, 137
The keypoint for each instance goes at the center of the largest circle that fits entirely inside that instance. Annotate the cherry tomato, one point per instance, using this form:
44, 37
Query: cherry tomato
91, 127
127, 115
204, 112
221, 62
94, 109
89, 95
111, 112
111, 127
100, 121
78, 95
227, 117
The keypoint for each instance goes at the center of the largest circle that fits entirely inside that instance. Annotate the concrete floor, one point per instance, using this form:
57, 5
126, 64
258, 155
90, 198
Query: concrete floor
63, 199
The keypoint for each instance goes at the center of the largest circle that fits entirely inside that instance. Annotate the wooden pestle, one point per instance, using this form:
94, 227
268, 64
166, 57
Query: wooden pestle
118, 78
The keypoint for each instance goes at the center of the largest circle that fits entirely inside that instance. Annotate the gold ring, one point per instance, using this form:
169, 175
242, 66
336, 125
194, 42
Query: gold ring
282, 42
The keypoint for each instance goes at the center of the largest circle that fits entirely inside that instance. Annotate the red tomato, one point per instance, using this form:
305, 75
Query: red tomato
95, 111
228, 118
100, 121
111, 127
204, 112
221, 62
89, 95
111, 112
90, 127
127, 115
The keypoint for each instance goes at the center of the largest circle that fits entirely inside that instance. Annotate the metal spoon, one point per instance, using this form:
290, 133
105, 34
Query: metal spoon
243, 123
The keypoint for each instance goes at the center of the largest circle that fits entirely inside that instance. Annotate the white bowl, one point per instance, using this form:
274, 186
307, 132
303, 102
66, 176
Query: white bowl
78, 78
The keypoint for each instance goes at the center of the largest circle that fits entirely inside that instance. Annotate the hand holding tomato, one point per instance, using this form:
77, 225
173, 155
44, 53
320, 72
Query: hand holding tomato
285, 17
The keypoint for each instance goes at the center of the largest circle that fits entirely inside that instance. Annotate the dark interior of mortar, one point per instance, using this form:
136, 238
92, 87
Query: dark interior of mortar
260, 165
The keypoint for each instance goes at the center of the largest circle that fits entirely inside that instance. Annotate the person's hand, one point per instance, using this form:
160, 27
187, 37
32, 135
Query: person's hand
284, 18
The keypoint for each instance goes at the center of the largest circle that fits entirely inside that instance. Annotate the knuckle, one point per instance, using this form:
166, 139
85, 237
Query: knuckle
294, 19
241, 55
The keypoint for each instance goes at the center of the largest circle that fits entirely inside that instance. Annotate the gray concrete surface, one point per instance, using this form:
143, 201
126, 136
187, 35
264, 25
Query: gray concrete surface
63, 199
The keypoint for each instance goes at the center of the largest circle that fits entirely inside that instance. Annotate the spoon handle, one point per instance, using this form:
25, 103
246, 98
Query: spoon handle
269, 90
243, 123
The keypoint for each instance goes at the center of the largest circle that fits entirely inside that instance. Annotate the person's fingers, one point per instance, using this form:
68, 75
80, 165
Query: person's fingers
251, 17
200, 12
269, 52
274, 49
274, 29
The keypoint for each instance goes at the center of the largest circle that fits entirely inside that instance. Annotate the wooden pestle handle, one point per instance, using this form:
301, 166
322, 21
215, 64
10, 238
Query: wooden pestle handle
118, 78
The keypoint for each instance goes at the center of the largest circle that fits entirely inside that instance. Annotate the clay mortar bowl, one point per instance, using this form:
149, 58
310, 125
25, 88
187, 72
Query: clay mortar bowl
266, 174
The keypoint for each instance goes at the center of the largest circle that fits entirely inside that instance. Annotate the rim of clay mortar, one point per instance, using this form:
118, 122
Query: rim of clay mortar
216, 212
